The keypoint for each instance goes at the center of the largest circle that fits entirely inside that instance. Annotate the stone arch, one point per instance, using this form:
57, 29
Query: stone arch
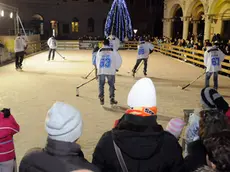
218, 6
176, 14
174, 10
38, 17
37, 24
194, 8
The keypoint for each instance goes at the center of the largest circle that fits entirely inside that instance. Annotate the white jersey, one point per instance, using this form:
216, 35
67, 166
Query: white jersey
108, 61
144, 49
19, 44
114, 43
52, 43
213, 58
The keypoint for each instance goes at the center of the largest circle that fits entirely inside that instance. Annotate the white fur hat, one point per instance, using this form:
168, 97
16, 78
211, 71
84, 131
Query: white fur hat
142, 94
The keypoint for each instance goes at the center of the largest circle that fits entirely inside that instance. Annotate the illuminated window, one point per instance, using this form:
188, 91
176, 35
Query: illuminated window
75, 25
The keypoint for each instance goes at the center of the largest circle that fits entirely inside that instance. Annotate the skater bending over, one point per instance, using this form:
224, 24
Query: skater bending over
144, 49
94, 55
19, 47
52, 43
107, 62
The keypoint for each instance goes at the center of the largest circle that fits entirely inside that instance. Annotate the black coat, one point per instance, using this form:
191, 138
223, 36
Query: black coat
55, 157
196, 156
145, 146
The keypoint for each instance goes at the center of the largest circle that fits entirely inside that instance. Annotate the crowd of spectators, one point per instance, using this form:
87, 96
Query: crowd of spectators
136, 143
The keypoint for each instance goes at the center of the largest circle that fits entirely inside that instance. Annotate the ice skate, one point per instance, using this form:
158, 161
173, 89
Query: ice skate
113, 102
102, 101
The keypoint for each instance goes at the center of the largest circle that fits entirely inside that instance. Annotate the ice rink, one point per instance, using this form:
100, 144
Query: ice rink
32, 92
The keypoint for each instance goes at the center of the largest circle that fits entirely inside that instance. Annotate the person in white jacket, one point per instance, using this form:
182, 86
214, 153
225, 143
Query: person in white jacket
52, 43
20, 46
108, 63
114, 42
144, 50
213, 57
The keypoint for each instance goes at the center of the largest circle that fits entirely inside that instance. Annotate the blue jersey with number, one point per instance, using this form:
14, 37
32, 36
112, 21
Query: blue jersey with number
143, 50
108, 61
213, 58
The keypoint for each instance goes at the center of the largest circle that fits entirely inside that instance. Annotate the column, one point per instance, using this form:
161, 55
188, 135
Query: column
185, 27
195, 27
167, 28
207, 29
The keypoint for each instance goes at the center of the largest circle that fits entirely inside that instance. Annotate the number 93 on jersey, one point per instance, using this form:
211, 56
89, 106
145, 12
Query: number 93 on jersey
105, 61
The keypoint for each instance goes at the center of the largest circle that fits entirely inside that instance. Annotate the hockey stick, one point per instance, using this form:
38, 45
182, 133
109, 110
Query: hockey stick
89, 74
192, 81
77, 89
138, 67
60, 55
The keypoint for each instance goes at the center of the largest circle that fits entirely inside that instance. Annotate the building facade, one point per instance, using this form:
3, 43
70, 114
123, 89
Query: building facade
71, 19
183, 18
68, 19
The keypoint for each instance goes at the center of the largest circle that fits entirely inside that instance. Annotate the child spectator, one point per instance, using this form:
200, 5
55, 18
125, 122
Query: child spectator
8, 127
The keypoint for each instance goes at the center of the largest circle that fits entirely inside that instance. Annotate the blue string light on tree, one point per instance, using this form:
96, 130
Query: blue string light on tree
118, 22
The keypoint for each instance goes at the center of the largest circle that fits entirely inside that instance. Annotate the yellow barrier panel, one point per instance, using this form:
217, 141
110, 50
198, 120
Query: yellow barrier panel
190, 55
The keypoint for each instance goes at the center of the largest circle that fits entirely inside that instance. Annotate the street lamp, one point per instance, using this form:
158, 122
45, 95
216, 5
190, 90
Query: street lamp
135, 31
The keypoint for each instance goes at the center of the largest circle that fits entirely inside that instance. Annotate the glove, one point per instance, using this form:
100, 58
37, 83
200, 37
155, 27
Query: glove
6, 112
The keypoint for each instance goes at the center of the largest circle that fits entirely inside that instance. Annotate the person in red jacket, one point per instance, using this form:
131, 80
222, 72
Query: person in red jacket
8, 127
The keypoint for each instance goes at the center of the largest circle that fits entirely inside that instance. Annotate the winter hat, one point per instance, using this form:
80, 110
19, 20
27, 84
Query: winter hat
175, 127
143, 95
63, 123
211, 99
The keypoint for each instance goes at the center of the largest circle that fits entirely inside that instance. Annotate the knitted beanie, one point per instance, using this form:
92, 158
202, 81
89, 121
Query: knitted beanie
64, 123
175, 127
211, 99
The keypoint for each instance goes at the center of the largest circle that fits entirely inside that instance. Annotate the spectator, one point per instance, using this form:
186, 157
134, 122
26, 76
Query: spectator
205, 169
8, 127
211, 121
175, 127
140, 142
227, 49
211, 99
61, 153
218, 149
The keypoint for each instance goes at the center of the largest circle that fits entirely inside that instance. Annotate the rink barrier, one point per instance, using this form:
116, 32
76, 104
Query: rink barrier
195, 57
33, 48
68, 45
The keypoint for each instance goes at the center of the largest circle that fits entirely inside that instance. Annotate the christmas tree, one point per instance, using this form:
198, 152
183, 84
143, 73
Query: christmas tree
118, 22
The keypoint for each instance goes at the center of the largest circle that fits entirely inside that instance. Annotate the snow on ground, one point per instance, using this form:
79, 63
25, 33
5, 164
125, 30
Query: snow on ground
32, 92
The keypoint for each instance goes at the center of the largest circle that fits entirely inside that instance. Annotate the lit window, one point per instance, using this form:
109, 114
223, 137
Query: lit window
11, 15
75, 26
2, 13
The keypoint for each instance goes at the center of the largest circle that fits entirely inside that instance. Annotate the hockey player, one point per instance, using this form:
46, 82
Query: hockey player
144, 49
114, 42
107, 62
213, 58
52, 43
94, 55
20, 46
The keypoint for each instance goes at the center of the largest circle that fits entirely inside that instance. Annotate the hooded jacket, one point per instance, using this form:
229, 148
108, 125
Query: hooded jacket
57, 156
145, 147
8, 127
